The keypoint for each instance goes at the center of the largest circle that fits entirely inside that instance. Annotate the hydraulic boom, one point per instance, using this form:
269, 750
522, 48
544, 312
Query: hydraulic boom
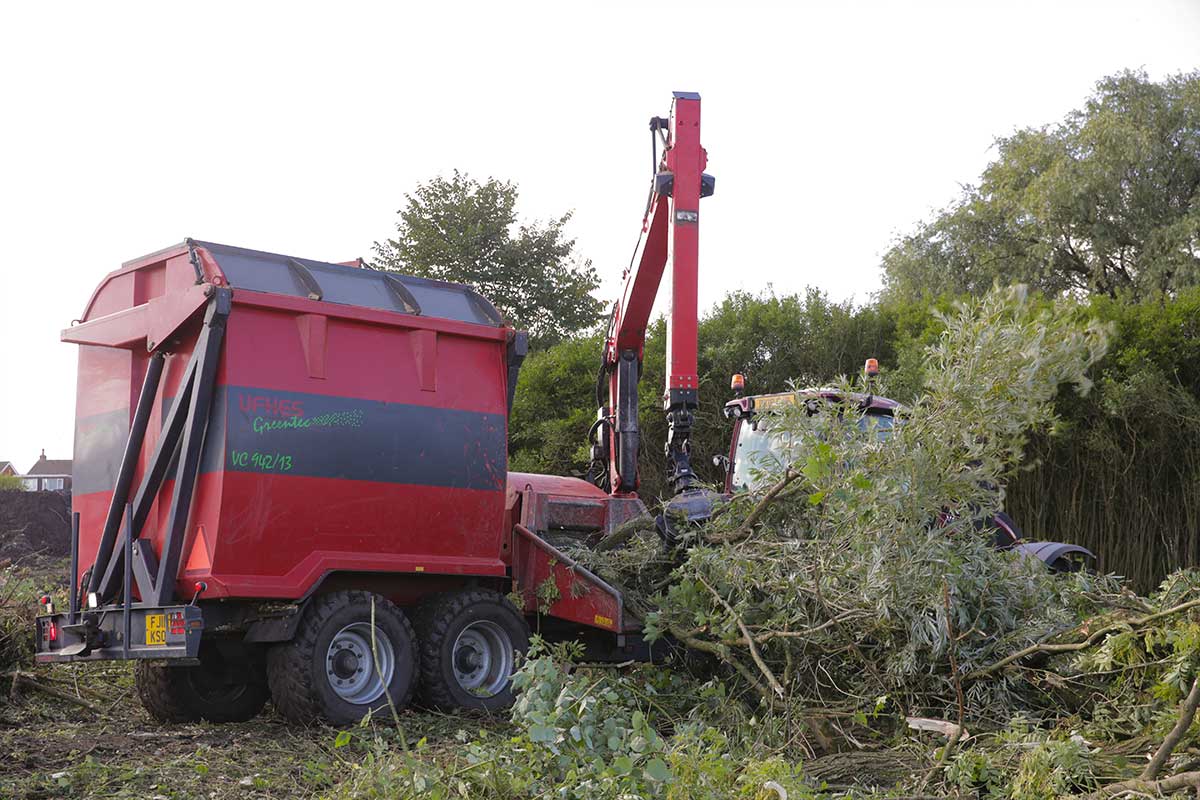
670, 234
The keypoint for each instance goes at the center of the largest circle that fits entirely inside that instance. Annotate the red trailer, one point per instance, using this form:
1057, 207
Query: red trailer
272, 451
291, 476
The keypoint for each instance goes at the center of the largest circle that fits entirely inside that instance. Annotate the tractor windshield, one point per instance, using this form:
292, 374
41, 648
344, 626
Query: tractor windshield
762, 451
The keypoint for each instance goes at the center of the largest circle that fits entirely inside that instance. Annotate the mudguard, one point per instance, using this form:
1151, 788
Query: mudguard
1058, 556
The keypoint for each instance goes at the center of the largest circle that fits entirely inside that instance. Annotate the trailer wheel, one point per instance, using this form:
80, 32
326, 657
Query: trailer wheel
469, 646
216, 690
330, 672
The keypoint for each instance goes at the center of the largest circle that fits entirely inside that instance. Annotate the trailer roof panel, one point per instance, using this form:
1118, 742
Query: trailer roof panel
356, 286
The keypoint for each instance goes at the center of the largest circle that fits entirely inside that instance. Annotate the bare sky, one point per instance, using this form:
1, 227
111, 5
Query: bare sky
297, 127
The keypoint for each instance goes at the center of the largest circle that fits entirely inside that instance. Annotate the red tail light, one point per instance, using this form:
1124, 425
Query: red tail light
52, 631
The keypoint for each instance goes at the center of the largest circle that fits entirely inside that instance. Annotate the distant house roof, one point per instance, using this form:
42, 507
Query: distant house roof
8, 467
50, 466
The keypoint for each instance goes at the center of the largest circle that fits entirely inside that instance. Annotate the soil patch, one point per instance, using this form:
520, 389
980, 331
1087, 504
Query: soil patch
34, 525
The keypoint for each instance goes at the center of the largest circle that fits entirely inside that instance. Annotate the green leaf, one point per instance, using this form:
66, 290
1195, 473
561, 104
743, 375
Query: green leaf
623, 765
542, 733
656, 770
342, 739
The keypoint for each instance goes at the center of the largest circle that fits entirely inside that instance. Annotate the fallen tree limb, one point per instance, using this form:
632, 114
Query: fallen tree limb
29, 682
1187, 713
754, 654
624, 532
760, 508
1149, 788
943, 757
1096, 636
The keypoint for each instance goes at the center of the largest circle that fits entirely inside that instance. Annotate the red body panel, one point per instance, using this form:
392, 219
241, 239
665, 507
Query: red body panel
582, 598
307, 467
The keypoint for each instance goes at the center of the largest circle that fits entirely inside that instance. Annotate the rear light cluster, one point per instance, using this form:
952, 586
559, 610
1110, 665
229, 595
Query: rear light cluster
50, 631
175, 623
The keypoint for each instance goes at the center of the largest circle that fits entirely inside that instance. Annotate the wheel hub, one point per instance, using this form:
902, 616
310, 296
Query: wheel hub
483, 658
357, 673
467, 659
345, 663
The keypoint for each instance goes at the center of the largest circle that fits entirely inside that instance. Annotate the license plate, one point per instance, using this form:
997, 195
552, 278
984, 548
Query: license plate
156, 629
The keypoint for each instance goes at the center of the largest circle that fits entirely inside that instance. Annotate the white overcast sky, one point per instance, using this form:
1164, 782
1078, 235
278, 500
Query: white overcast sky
298, 127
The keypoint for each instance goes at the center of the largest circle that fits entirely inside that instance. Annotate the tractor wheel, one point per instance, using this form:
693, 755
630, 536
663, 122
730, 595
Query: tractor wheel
470, 642
218, 689
330, 672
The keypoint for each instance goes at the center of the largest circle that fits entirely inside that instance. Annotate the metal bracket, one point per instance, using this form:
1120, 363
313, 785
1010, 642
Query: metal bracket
179, 447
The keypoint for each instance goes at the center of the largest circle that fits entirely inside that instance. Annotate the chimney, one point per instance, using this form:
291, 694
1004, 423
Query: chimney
43, 458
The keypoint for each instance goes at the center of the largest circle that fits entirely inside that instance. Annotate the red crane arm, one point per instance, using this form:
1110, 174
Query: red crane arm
670, 234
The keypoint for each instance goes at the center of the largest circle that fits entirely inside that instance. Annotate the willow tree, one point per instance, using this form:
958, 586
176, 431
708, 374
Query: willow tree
1107, 201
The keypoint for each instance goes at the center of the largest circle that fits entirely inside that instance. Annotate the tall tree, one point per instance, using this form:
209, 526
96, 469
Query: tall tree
458, 229
1105, 202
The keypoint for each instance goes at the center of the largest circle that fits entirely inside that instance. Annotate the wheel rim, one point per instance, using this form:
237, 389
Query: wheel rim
483, 658
351, 668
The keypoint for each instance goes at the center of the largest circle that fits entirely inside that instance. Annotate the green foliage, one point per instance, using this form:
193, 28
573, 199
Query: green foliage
1122, 476
11, 483
1104, 202
458, 229
554, 405
1024, 764
583, 735
856, 581
17, 595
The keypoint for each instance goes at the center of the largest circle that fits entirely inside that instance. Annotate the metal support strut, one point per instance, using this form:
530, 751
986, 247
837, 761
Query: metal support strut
178, 451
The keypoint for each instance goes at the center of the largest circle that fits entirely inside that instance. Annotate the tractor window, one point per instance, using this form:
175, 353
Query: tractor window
882, 424
759, 450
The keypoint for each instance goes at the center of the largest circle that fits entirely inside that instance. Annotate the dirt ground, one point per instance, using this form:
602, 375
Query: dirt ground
56, 749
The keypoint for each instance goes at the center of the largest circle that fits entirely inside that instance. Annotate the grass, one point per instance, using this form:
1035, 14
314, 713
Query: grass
56, 749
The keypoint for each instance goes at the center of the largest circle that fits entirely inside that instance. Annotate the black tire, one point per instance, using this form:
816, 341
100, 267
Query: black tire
219, 689
302, 673
441, 621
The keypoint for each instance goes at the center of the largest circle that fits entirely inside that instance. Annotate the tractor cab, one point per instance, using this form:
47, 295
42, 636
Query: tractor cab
755, 448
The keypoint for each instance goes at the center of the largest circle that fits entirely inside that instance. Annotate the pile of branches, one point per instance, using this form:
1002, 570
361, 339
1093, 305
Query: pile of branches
857, 576
854, 588
854, 623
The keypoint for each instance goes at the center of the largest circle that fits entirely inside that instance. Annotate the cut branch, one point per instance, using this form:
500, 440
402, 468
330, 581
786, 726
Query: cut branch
625, 531
754, 654
1148, 788
1098, 635
760, 508
28, 681
1187, 713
